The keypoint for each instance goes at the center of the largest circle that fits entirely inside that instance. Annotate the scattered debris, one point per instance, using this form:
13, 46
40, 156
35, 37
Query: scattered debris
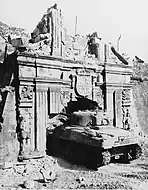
7, 165
29, 184
19, 169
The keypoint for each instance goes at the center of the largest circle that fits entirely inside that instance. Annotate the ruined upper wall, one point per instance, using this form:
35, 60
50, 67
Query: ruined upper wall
50, 38
49, 32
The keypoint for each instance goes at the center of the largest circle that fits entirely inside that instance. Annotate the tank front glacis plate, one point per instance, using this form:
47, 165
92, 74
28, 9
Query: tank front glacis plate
114, 137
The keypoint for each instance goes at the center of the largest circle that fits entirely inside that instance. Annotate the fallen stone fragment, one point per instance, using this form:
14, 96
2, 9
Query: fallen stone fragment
29, 184
72, 186
81, 180
19, 169
48, 175
28, 169
7, 165
52, 176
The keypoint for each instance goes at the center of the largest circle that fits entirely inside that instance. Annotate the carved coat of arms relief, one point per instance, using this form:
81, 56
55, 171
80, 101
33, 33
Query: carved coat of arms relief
83, 84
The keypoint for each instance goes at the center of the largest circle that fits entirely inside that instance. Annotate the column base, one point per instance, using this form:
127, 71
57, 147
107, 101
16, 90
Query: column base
32, 155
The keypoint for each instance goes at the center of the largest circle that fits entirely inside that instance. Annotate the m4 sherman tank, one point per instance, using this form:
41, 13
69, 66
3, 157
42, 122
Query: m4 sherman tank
85, 136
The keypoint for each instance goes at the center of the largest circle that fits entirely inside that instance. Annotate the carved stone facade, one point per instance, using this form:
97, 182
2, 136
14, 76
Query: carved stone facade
45, 81
41, 96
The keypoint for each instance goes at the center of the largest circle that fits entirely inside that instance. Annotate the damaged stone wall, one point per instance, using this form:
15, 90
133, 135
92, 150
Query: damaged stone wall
48, 36
49, 71
9, 146
140, 94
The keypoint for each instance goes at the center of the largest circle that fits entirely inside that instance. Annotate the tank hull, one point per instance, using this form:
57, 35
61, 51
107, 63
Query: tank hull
95, 145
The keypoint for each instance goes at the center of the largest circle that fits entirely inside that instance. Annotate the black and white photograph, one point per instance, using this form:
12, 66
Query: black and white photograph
74, 94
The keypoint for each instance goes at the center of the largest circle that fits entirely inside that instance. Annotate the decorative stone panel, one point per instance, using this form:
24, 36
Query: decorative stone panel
126, 108
26, 93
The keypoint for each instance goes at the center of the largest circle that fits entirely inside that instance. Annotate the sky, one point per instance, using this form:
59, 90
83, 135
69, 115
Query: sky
109, 18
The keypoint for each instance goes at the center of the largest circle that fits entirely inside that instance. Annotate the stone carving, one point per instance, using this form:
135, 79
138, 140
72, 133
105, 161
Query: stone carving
83, 83
24, 130
126, 100
83, 72
64, 97
126, 94
126, 119
99, 98
84, 86
26, 93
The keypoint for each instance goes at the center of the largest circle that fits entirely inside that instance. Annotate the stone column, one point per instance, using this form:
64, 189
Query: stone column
41, 120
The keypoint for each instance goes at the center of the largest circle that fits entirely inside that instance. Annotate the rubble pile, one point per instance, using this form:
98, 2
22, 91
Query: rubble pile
55, 173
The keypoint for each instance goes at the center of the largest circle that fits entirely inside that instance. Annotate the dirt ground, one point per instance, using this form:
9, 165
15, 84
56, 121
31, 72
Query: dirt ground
56, 173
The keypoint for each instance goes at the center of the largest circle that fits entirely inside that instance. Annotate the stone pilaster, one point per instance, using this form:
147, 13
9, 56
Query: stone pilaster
25, 119
41, 120
118, 108
110, 103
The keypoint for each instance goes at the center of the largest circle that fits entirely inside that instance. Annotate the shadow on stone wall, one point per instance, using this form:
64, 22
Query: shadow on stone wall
8, 142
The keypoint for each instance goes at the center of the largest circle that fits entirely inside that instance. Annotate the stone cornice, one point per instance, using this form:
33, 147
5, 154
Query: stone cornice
44, 80
48, 80
31, 59
118, 84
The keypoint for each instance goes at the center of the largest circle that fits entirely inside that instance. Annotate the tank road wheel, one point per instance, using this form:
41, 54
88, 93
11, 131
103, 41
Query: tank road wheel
136, 152
106, 157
